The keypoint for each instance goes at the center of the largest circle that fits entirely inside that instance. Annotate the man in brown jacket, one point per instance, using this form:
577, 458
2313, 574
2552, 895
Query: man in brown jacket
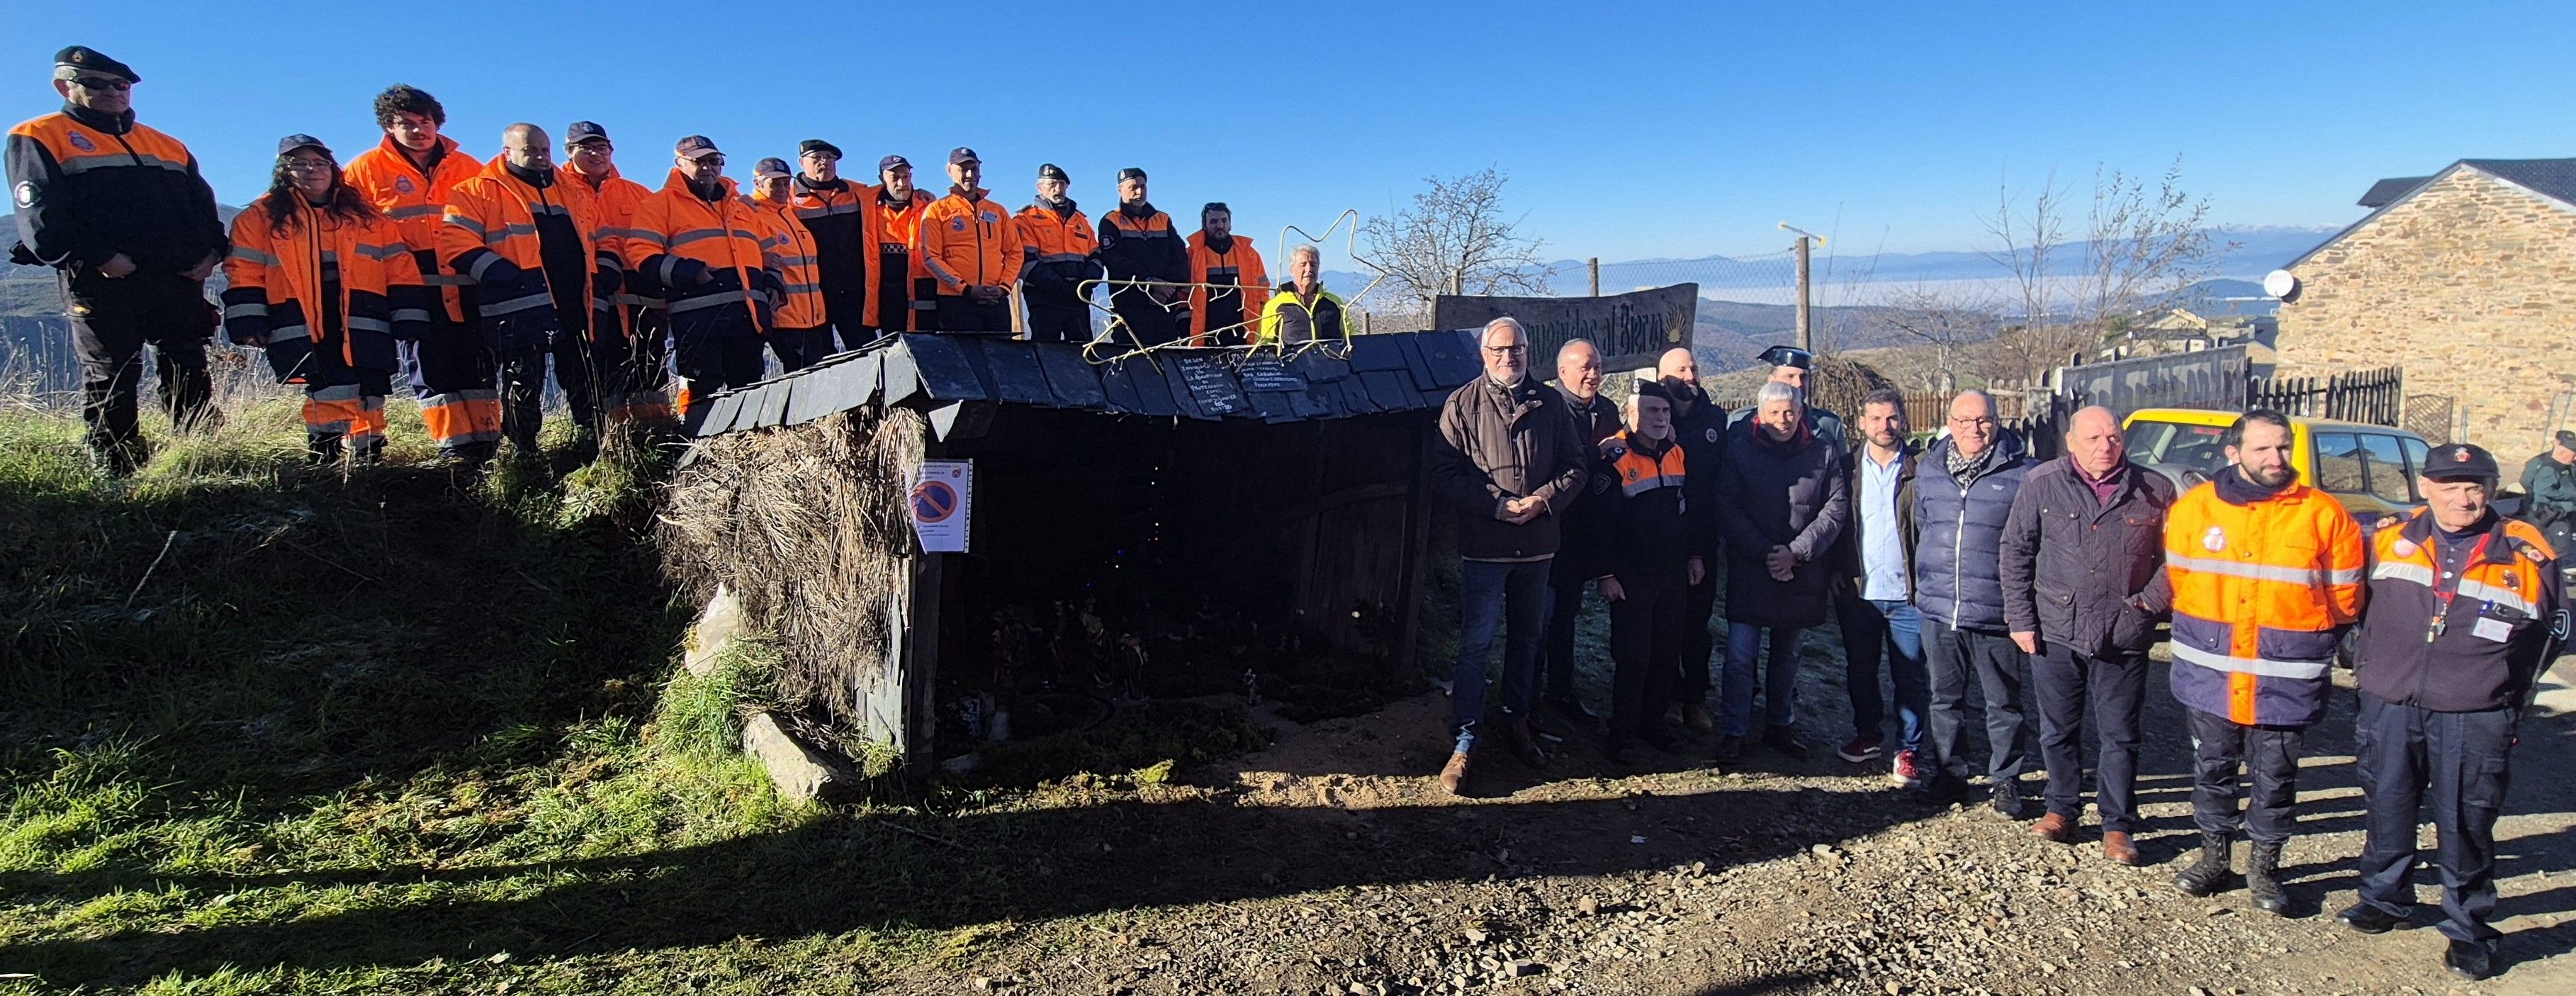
1509, 463
2083, 573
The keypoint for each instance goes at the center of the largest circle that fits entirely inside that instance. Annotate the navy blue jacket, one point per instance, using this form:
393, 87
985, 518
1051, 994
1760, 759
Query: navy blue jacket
1959, 530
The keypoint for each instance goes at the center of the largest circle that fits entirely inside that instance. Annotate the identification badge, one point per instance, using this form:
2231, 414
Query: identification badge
2492, 629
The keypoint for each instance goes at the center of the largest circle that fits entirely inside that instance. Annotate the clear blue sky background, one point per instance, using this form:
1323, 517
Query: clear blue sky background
1629, 130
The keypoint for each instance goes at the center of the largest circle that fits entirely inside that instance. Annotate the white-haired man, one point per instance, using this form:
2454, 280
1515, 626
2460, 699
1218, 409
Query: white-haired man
1509, 463
1302, 310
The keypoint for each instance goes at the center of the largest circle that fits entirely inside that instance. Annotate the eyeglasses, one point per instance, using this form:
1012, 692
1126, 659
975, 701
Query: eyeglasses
304, 165
1506, 350
103, 83
713, 160
598, 146
1972, 422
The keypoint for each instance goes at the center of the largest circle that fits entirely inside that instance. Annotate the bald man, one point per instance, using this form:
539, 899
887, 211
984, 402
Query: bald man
1581, 556
1701, 426
2088, 529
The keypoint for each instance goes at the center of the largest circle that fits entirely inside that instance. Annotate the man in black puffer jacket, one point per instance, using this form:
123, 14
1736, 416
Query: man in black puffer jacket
2083, 572
1781, 501
1962, 497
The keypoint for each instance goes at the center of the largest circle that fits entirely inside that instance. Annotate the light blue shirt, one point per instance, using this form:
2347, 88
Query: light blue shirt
1882, 553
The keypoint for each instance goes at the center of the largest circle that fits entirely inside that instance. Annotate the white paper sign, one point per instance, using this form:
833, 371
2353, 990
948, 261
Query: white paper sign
942, 502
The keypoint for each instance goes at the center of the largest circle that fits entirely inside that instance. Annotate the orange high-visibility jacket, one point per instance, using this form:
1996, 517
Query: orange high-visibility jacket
491, 220
277, 284
678, 238
2261, 593
793, 254
617, 197
415, 202
1239, 266
88, 188
968, 240
891, 228
1055, 253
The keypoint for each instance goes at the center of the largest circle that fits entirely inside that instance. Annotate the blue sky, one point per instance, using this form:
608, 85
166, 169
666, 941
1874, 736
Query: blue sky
1630, 130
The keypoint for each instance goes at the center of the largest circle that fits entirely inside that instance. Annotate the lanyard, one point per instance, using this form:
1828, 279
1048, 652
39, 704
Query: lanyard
2442, 599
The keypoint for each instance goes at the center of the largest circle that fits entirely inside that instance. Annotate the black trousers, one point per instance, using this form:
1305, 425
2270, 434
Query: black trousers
800, 348
959, 313
1152, 324
923, 307
1565, 607
717, 363
1955, 655
112, 320
2453, 763
584, 368
2064, 682
1646, 651
1054, 321
2269, 754
1699, 646
523, 393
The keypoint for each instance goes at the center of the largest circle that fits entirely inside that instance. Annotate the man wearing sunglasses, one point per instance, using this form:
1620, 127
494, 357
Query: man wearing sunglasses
118, 210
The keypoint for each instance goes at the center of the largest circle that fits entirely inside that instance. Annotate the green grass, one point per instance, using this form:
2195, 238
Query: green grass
378, 730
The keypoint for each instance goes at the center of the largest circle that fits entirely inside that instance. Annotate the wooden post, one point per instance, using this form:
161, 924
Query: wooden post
1594, 265
1806, 321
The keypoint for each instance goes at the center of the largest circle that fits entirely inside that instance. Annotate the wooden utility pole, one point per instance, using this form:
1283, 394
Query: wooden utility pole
1594, 264
1806, 317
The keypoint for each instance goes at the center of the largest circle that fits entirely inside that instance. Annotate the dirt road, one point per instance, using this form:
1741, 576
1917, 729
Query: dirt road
1332, 863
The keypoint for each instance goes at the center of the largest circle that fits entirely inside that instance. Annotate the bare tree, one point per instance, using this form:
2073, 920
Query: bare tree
2142, 247
1453, 240
1949, 320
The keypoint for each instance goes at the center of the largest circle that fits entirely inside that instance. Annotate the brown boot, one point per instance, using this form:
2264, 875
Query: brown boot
1453, 777
2054, 827
2116, 846
1516, 732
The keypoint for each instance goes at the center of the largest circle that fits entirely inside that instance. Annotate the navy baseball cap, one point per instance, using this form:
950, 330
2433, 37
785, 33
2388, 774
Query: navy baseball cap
962, 154
891, 162
293, 142
584, 131
2460, 462
772, 166
697, 147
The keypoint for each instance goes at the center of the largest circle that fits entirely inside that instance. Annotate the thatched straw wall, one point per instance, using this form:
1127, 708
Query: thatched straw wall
807, 525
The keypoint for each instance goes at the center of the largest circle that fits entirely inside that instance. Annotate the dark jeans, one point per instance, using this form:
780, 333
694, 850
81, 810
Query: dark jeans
1699, 643
1646, 649
800, 348
1057, 321
959, 313
1492, 596
2061, 680
715, 364
2460, 757
1779, 678
1893, 630
2269, 753
112, 320
1565, 610
1998, 666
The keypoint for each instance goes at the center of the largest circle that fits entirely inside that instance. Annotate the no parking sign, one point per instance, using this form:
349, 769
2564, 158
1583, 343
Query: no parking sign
942, 500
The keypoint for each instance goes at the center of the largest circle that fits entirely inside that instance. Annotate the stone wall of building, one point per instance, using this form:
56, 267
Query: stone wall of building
2471, 284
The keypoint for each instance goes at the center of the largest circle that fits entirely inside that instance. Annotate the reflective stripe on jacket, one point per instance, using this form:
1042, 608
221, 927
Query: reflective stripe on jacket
796, 255
416, 203
276, 281
2489, 645
88, 186
968, 241
1240, 266
617, 197
838, 221
705, 258
1056, 253
1649, 519
2260, 593
890, 228
489, 236
1146, 248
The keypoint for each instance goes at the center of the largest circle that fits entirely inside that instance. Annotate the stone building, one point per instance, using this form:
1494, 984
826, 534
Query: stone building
2466, 277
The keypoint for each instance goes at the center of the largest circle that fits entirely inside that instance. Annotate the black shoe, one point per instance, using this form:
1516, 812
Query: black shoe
2263, 881
1730, 749
2371, 919
2008, 800
1785, 741
1568, 706
2469, 960
1946, 788
2215, 870
1660, 740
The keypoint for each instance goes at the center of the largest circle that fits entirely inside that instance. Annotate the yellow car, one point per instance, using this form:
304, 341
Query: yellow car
2370, 468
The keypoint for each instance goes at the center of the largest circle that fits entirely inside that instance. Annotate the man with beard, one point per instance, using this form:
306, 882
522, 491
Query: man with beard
1702, 428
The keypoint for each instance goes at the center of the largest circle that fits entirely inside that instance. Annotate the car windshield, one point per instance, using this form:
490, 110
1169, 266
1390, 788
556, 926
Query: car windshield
2193, 447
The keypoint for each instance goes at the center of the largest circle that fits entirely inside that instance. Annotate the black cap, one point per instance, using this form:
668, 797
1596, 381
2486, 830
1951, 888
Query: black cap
584, 131
696, 147
293, 142
962, 154
817, 145
1051, 171
1131, 173
1648, 387
891, 162
769, 167
2567, 438
1789, 356
86, 59
2458, 462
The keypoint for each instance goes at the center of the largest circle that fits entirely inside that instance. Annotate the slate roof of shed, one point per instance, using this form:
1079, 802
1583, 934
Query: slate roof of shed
1387, 372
